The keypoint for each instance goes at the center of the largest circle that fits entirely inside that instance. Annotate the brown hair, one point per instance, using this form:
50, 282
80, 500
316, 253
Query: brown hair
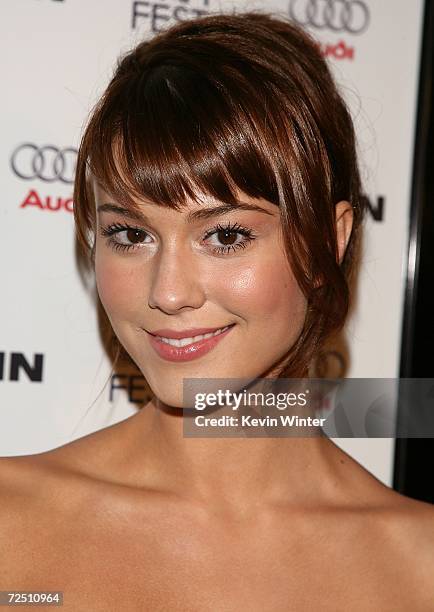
234, 100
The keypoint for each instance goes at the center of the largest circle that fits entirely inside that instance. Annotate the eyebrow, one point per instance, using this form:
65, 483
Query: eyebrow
203, 213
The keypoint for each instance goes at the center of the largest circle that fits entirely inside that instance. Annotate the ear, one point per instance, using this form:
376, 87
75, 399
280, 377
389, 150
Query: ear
344, 225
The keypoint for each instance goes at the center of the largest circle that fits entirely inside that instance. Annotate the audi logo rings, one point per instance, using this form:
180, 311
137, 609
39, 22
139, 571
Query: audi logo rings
338, 15
47, 163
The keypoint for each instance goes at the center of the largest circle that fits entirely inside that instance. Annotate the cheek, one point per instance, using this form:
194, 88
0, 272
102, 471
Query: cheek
265, 290
117, 287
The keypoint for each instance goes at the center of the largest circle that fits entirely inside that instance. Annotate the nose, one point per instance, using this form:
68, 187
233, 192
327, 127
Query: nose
176, 282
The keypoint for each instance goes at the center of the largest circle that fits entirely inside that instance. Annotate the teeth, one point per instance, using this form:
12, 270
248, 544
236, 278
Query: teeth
185, 341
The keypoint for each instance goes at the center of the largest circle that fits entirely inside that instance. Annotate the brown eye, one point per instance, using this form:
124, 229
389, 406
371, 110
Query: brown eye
227, 236
135, 236
124, 238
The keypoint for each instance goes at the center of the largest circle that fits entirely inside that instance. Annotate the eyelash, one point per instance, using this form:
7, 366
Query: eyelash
115, 228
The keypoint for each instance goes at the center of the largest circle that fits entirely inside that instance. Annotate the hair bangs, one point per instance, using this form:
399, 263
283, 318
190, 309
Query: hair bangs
162, 143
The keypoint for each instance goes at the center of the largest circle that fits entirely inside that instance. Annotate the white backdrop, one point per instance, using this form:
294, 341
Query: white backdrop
57, 58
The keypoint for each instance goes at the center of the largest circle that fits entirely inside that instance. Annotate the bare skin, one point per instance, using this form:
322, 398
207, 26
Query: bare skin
116, 525
138, 517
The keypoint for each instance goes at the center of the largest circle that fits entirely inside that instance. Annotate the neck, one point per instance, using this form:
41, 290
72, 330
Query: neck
228, 471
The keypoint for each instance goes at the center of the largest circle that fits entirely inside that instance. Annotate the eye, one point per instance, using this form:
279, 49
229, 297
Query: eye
127, 236
124, 237
226, 235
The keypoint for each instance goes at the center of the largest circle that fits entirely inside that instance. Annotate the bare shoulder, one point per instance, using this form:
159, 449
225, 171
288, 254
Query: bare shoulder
47, 476
21, 477
63, 479
412, 523
29, 486
35, 486
24, 490
391, 531
43, 502
401, 541
408, 522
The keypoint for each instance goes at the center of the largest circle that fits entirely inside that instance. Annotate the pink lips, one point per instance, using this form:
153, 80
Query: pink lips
190, 351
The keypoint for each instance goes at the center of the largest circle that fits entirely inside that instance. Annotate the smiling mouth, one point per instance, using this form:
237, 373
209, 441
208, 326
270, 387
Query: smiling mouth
189, 347
186, 341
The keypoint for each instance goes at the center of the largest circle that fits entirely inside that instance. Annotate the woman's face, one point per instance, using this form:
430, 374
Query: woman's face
179, 271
